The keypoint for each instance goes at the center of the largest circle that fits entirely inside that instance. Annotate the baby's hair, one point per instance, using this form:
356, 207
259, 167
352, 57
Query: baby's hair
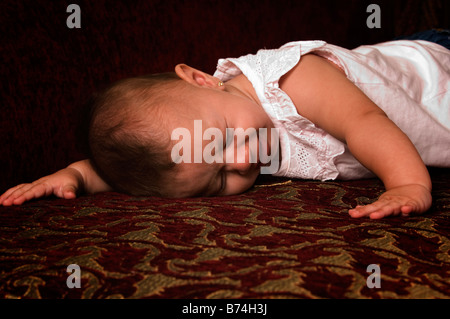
128, 141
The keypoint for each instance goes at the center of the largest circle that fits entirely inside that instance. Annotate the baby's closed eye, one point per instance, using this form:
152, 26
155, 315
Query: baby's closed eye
222, 182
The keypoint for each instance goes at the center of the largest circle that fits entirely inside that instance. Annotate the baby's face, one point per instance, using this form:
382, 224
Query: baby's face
219, 164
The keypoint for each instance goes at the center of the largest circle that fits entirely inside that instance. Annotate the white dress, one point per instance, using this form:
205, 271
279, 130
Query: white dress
409, 80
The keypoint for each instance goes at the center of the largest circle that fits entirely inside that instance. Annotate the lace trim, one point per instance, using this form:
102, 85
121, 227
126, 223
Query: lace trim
311, 151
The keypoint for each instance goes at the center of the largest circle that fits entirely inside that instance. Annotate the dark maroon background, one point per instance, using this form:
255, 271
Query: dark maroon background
49, 70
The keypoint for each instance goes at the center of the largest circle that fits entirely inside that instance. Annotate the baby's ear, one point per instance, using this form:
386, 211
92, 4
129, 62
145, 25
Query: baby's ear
194, 76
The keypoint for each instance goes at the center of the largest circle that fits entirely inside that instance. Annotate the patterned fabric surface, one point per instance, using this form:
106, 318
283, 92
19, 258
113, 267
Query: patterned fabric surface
282, 239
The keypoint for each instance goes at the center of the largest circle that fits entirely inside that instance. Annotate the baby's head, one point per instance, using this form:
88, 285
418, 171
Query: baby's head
132, 141
127, 142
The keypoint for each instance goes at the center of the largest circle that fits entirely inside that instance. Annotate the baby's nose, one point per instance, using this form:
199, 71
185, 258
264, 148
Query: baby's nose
244, 159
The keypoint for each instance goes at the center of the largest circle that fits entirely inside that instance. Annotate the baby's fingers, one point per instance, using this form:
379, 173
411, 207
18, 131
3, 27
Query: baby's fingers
362, 211
32, 192
379, 210
7, 198
25, 192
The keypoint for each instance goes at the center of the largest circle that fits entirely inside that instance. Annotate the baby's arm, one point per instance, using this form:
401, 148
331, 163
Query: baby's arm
323, 94
66, 183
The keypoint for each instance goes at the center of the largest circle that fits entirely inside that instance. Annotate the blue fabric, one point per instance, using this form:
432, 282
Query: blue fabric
439, 36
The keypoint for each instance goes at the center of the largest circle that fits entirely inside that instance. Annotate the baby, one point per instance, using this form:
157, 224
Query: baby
307, 110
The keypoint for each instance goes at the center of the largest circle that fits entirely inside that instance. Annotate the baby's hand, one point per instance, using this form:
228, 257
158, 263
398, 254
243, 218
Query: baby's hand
64, 184
402, 200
